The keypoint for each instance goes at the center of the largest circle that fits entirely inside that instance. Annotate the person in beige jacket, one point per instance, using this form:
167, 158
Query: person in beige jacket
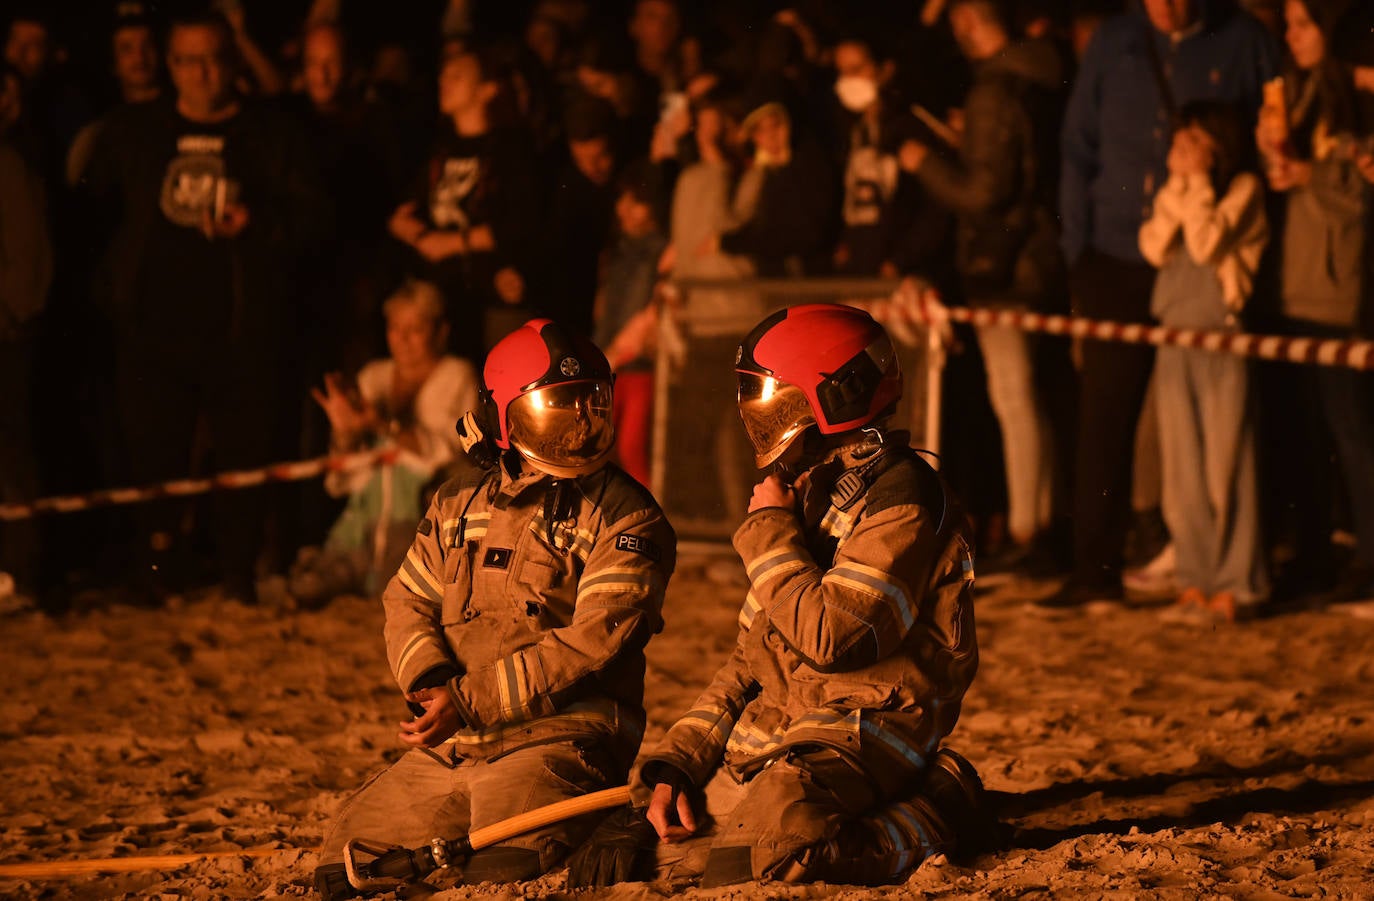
817, 746
517, 623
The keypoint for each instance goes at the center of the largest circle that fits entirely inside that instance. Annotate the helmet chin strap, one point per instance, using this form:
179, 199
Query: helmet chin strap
817, 448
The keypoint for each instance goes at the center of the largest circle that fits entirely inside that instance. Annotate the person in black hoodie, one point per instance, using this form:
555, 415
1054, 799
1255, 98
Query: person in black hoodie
579, 216
210, 198
472, 218
890, 226
1001, 188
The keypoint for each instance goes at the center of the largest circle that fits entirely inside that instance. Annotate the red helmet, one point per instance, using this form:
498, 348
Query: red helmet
550, 393
825, 365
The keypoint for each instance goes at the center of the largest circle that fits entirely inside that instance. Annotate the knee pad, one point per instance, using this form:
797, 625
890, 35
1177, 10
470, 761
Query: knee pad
728, 866
502, 864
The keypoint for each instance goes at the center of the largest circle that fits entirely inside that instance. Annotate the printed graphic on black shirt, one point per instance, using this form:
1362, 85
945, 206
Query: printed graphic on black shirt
459, 176
194, 182
870, 180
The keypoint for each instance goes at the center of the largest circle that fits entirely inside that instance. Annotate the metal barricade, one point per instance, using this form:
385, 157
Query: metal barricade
702, 466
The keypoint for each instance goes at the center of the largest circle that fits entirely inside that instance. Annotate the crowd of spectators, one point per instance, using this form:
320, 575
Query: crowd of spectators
255, 231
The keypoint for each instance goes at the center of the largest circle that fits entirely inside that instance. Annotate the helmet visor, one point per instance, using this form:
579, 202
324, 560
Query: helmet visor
774, 414
563, 429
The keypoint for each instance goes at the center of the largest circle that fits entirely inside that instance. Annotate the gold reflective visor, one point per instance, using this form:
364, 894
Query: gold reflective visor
563, 429
774, 414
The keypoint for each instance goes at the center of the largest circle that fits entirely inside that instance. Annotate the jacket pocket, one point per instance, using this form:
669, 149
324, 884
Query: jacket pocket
541, 594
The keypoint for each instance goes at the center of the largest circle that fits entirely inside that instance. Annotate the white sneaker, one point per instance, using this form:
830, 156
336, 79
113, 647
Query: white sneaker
1155, 577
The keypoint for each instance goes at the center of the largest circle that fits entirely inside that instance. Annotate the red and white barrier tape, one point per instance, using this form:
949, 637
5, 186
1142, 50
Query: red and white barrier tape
913, 305
245, 478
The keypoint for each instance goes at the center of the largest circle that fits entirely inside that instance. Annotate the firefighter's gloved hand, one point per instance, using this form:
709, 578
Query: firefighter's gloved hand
618, 851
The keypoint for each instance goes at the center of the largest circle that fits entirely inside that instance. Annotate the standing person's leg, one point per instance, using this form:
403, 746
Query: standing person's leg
242, 407
1112, 384
19, 541
1222, 384
1026, 440
159, 402
1183, 483
1346, 399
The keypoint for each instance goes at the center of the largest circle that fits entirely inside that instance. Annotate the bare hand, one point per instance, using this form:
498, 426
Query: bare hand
1176, 161
1272, 131
956, 120
912, 155
1286, 173
510, 285
233, 221
405, 225
481, 240
1365, 163
1364, 78
436, 245
439, 722
233, 14
667, 133
1188, 155
670, 812
667, 260
773, 492
348, 417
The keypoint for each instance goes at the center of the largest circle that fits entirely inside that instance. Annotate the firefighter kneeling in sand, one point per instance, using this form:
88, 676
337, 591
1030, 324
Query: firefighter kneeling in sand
516, 625
855, 648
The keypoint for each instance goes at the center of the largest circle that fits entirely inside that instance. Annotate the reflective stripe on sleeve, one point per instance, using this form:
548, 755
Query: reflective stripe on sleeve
775, 563
515, 690
616, 580
750, 610
876, 583
717, 722
417, 641
417, 578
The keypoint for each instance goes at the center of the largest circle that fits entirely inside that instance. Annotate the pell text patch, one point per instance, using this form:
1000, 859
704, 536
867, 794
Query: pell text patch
639, 545
497, 558
425, 527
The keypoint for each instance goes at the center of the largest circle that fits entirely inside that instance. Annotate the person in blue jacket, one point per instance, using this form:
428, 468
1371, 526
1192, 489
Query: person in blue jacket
1139, 69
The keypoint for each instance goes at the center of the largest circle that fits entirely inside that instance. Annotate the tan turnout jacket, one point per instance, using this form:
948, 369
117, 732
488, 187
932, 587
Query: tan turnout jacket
857, 631
546, 635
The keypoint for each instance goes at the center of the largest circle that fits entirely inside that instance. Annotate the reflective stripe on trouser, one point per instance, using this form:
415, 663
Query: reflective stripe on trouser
431, 793
811, 816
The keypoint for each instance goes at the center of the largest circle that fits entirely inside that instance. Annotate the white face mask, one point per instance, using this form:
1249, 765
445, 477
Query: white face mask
856, 92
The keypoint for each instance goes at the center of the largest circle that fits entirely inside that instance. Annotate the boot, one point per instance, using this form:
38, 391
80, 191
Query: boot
952, 785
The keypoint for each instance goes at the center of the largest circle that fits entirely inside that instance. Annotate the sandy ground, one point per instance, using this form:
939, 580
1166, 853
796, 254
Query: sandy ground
1132, 758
